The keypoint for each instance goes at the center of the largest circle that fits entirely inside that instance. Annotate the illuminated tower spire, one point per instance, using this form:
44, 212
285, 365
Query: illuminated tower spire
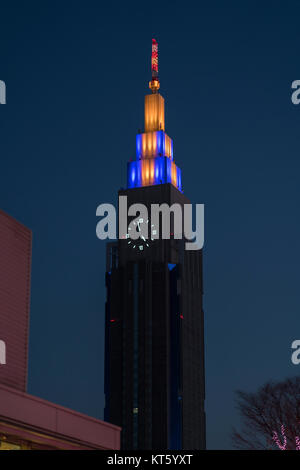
154, 84
154, 321
154, 162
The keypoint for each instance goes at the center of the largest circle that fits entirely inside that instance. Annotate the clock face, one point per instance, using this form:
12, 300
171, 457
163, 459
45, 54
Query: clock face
142, 243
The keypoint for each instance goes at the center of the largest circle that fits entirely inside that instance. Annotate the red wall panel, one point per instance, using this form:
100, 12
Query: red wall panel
15, 268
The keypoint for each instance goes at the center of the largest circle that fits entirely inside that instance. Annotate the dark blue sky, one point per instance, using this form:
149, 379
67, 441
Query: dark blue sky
76, 76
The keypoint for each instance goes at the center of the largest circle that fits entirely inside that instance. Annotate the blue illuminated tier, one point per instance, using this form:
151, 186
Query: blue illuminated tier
151, 171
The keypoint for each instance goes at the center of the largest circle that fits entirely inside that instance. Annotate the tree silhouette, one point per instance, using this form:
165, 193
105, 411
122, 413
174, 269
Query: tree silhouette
270, 417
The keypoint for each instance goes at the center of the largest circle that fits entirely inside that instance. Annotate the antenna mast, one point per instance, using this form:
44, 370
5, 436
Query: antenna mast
154, 84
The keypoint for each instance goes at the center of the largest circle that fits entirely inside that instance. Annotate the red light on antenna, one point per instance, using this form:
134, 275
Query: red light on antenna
154, 84
181, 316
154, 59
112, 320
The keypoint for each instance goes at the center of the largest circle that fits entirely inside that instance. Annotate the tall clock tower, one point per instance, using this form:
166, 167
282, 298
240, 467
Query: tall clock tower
154, 340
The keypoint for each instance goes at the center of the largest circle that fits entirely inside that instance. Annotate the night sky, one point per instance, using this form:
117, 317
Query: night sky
76, 75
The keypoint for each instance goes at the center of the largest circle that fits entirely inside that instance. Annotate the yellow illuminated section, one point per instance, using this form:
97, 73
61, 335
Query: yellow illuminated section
173, 174
168, 147
147, 172
148, 169
155, 144
154, 113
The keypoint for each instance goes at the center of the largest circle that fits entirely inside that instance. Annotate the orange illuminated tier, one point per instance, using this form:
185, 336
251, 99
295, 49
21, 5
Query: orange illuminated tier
154, 113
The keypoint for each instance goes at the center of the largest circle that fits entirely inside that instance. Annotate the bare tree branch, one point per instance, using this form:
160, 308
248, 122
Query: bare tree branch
264, 412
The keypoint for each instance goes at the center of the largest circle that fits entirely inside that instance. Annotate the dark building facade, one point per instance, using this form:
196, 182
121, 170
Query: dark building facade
154, 358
